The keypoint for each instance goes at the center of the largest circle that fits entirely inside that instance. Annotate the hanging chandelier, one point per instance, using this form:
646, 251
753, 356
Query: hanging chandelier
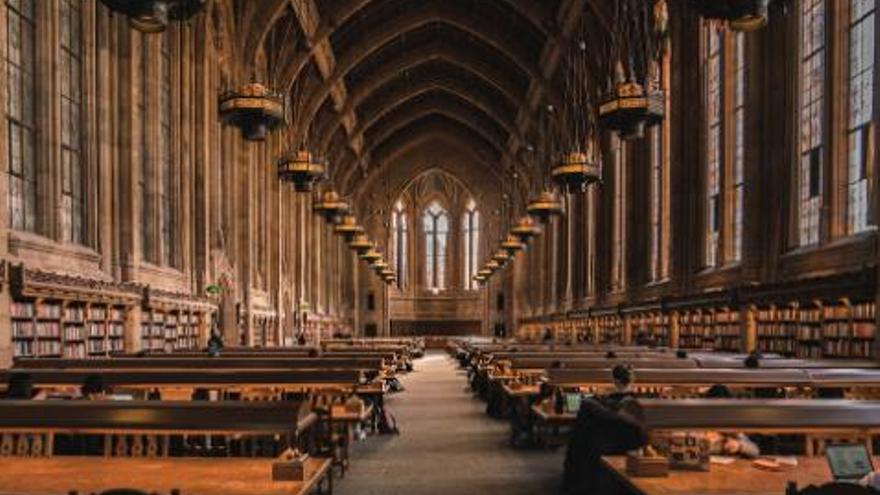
153, 16
348, 228
332, 207
493, 266
545, 206
360, 245
512, 245
371, 256
378, 266
485, 273
525, 229
254, 109
741, 15
576, 171
386, 272
301, 169
501, 256
633, 98
631, 107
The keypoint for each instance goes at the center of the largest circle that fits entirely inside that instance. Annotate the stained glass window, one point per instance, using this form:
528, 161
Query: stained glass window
399, 238
617, 253
656, 202
167, 169
146, 170
861, 107
470, 225
714, 108
812, 97
20, 123
739, 118
436, 228
72, 164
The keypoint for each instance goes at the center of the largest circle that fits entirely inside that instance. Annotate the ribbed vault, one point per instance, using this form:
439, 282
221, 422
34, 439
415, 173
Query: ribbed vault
373, 78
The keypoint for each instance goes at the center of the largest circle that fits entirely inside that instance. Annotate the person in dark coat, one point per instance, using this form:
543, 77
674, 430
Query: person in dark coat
607, 425
603, 427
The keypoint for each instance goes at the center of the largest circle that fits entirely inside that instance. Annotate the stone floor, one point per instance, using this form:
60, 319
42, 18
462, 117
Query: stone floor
447, 445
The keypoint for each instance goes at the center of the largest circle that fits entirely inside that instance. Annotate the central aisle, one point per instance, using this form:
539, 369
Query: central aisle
447, 445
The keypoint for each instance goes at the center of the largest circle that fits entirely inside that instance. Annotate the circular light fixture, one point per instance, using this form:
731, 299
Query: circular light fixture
525, 229
512, 245
332, 207
575, 172
301, 169
360, 244
545, 206
631, 107
371, 256
348, 227
742, 15
152, 16
254, 109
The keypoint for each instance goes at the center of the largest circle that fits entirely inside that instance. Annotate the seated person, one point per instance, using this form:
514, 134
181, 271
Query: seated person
732, 445
21, 387
622, 378
215, 343
725, 444
872, 480
93, 388
603, 427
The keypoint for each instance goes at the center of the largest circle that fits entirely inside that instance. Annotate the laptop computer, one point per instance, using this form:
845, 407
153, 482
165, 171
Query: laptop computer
849, 462
573, 402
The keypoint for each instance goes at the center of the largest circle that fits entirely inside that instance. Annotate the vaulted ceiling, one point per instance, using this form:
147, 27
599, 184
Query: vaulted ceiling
371, 77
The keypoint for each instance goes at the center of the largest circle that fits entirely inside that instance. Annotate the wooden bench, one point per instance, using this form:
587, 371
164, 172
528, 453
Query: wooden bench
146, 428
815, 419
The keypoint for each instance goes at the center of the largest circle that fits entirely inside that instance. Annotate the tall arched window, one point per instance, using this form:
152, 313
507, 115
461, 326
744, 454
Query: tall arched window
861, 108
72, 163
21, 127
812, 115
470, 226
398, 243
436, 227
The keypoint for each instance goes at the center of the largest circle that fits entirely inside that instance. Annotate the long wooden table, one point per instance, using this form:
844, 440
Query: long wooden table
739, 478
24, 476
813, 418
197, 417
257, 362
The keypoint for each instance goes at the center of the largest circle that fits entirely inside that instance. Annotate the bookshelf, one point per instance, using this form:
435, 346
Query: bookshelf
777, 329
610, 329
264, 330
696, 329
728, 330
66, 328
169, 329
653, 324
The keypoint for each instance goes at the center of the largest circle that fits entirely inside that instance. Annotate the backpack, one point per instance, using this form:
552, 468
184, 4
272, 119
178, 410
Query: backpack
387, 423
394, 385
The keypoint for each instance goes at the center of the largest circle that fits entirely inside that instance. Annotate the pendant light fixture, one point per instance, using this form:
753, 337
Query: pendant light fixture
153, 16
578, 164
360, 244
332, 207
633, 98
254, 109
301, 169
740, 15
348, 228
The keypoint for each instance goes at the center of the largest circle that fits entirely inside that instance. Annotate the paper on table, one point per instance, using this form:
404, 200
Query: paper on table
718, 459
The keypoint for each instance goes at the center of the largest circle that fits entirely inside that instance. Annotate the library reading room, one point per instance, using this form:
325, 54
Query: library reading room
439, 247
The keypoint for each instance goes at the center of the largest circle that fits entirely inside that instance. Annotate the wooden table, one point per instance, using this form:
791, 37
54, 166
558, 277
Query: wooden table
191, 476
738, 478
342, 422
